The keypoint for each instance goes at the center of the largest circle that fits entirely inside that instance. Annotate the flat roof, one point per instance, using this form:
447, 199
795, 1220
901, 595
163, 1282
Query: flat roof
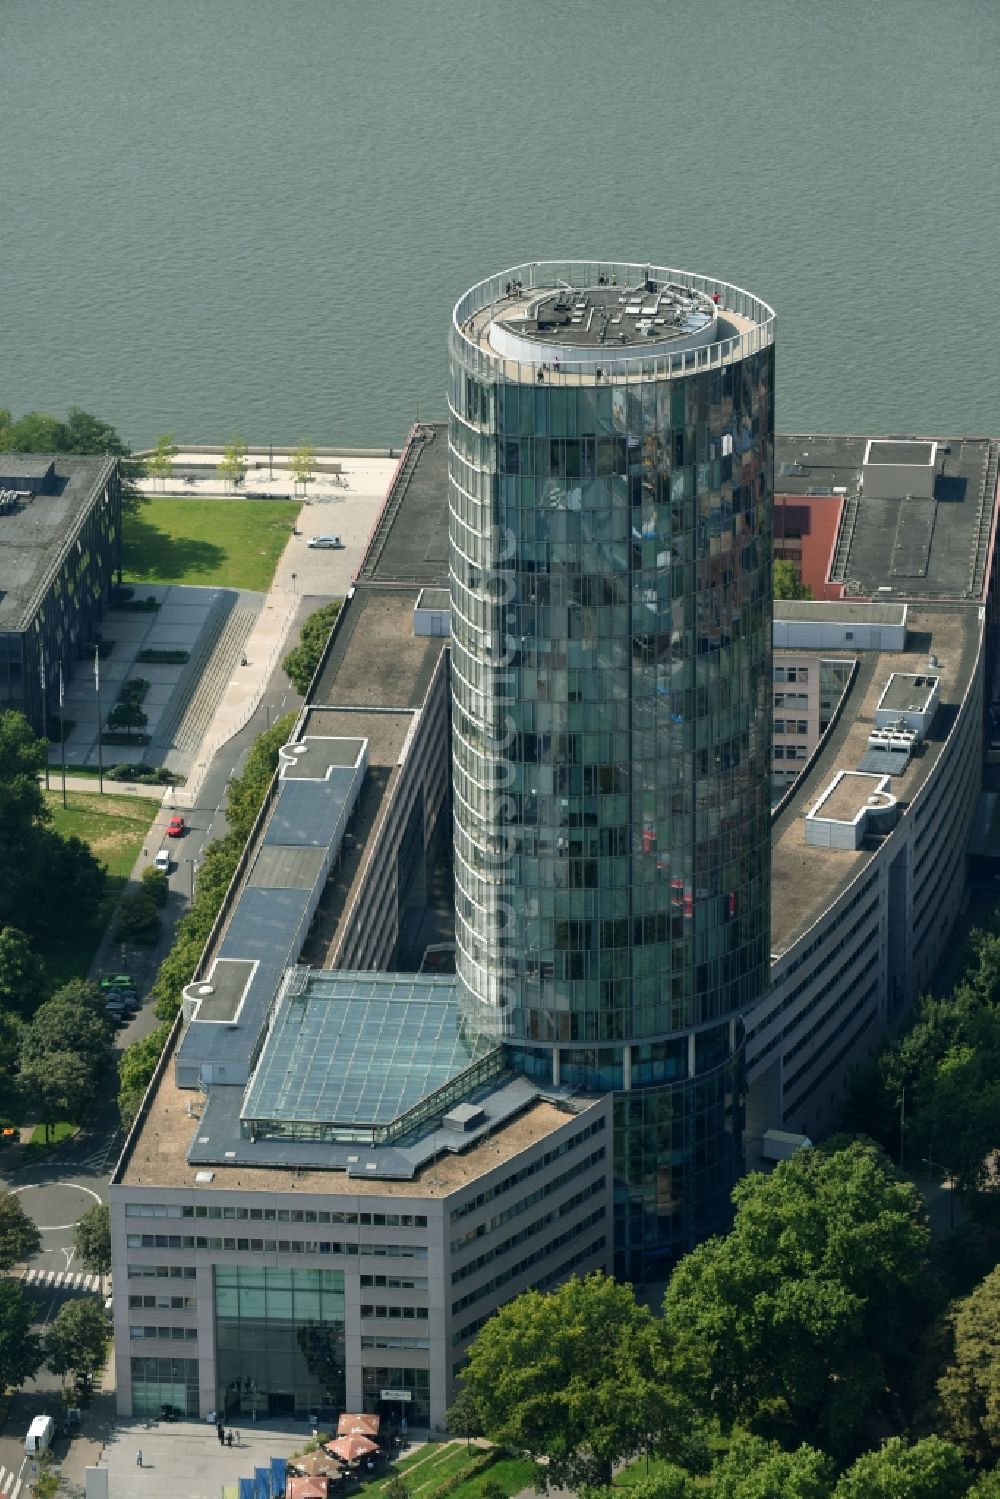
595, 316
908, 691
806, 880
410, 541
376, 660
903, 547
847, 796
865, 613
37, 535
908, 451
159, 1152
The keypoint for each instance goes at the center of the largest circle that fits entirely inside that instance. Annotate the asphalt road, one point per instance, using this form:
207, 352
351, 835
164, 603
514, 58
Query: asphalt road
56, 1190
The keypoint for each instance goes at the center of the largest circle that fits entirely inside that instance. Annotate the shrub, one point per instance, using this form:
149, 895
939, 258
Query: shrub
151, 656
154, 882
301, 663
138, 919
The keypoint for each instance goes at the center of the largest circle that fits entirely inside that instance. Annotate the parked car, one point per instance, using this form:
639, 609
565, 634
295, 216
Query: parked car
127, 997
116, 981
162, 861
115, 1010
176, 828
326, 543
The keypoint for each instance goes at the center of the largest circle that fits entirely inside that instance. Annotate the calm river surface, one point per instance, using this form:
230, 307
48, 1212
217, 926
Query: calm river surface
254, 216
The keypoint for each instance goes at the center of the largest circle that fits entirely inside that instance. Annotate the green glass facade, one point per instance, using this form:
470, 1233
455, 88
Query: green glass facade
164, 1381
279, 1341
611, 677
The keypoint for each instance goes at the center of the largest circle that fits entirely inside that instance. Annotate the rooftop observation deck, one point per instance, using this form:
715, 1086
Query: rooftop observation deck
806, 880
578, 322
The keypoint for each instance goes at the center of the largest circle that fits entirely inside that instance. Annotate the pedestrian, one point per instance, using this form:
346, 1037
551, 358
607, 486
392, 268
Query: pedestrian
229, 1439
221, 1434
138, 1458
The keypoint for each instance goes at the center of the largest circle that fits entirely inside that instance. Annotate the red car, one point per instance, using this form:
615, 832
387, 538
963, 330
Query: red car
176, 828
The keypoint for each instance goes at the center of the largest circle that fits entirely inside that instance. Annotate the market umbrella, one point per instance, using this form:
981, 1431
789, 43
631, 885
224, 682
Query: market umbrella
307, 1488
351, 1448
363, 1425
317, 1464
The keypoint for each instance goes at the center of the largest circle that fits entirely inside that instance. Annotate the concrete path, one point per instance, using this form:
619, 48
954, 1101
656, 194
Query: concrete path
302, 572
91, 785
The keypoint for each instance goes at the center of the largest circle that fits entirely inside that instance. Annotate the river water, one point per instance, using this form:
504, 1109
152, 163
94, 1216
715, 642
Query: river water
254, 216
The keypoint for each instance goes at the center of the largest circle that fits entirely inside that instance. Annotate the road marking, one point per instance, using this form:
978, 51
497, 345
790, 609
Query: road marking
57, 1228
59, 1279
10, 1483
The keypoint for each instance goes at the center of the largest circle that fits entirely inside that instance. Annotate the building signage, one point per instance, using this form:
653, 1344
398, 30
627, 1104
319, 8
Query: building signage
396, 1394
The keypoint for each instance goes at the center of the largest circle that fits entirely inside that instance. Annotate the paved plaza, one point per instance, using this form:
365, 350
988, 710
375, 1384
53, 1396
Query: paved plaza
185, 1461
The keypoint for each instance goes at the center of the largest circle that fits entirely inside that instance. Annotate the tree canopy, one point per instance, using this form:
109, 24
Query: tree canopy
969, 1386
786, 581
300, 664
92, 1238
19, 1236
160, 463
65, 1051
930, 1469
20, 1349
574, 1380
47, 882
757, 1469
233, 467
77, 1338
303, 464
801, 1321
23, 980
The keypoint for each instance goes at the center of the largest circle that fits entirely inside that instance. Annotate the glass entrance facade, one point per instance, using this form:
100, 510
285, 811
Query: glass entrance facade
611, 552
279, 1342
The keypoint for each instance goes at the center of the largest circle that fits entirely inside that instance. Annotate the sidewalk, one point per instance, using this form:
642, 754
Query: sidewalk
302, 572
92, 785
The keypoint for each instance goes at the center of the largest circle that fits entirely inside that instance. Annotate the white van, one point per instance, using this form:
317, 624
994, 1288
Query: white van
162, 861
40, 1434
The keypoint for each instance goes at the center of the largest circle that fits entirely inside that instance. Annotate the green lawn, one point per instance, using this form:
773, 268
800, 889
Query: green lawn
429, 1466
114, 827
215, 543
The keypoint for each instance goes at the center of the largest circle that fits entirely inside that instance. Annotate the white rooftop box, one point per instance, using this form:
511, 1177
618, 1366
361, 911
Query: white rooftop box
910, 701
854, 804
895, 467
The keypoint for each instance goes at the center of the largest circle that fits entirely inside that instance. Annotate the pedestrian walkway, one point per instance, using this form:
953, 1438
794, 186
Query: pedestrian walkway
62, 1280
91, 786
301, 572
10, 1484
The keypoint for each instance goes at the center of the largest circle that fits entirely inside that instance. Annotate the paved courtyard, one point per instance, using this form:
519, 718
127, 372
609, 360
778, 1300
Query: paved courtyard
185, 1461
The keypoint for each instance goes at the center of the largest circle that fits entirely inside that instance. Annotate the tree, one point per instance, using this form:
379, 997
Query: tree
786, 583
92, 1238
574, 1380
135, 1071
20, 1349
161, 463
23, 980
46, 881
232, 470
801, 1323
969, 1387
246, 792
11, 1030
154, 883
303, 465
300, 664
755, 1469
138, 919
127, 715
930, 1469
64, 1052
19, 1236
38, 432
76, 1342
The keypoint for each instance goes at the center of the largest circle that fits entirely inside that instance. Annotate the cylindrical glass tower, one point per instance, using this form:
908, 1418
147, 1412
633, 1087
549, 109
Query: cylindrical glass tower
611, 466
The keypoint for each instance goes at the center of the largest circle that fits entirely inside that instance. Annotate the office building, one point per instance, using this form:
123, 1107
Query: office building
345, 1164
610, 491
60, 545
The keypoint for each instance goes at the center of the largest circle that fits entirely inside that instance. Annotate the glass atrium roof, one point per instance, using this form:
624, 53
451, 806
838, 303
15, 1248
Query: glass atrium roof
357, 1050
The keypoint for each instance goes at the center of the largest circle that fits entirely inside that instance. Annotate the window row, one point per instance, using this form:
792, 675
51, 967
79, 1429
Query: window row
514, 1179
165, 1334
274, 1215
272, 1246
163, 1303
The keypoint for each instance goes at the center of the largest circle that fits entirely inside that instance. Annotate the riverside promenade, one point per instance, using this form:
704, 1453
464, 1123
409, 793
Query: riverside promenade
345, 504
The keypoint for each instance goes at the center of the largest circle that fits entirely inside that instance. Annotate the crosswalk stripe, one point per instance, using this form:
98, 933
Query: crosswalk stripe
93, 1283
78, 1279
10, 1484
59, 1277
